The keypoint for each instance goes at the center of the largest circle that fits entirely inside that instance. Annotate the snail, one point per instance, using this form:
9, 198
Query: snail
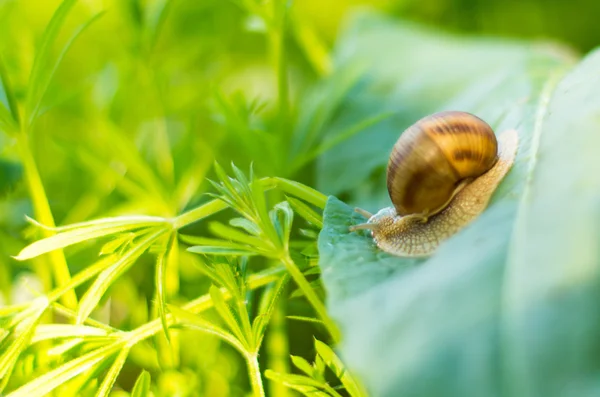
441, 175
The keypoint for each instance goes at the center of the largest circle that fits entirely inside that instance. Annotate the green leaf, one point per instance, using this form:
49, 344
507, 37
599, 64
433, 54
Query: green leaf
297, 189
302, 365
59, 331
493, 311
550, 318
221, 250
43, 68
142, 385
23, 332
282, 217
229, 233
105, 279
336, 365
91, 230
186, 318
265, 310
164, 258
113, 372
227, 314
303, 384
245, 224
305, 211
46, 383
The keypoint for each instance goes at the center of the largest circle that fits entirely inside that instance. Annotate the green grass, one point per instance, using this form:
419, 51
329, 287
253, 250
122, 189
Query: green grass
168, 224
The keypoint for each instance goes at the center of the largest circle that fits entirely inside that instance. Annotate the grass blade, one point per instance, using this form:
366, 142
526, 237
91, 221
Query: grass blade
42, 70
37, 80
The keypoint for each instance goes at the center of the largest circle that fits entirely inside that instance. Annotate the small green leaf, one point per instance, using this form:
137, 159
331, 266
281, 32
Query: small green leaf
23, 331
142, 385
233, 251
229, 233
302, 365
268, 304
59, 331
282, 217
74, 235
336, 365
43, 69
113, 245
162, 261
305, 212
93, 295
113, 372
46, 383
303, 384
307, 319
297, 189
226, 313
217, 246
186, 318
245, 224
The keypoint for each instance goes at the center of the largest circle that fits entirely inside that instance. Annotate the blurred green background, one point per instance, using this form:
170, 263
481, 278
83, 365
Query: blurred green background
153, 92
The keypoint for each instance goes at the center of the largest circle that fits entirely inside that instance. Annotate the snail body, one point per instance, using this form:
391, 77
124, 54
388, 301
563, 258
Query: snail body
441, 174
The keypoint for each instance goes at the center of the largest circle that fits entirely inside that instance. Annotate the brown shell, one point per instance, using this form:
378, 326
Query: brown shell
433, 156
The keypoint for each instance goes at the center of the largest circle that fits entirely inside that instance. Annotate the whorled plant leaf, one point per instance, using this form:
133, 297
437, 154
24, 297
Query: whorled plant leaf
509, 305
142, 385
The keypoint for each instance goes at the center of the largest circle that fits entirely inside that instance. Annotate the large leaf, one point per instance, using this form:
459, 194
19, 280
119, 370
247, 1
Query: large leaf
508, 306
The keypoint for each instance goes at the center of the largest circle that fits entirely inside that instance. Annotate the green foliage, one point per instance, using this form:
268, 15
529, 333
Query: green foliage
313, 381
114, 119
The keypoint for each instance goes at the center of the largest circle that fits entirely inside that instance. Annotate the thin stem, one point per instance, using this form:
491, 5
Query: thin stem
203, 211
255, 378
58, 262
277, 348
311, 295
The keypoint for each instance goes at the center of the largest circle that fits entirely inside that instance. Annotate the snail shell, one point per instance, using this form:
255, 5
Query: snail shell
433, 156
441, 174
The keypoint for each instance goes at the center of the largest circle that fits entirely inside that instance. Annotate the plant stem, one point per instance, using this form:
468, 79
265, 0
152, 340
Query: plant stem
277, 348
255, 377
312, 297
187, 218
58, 263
